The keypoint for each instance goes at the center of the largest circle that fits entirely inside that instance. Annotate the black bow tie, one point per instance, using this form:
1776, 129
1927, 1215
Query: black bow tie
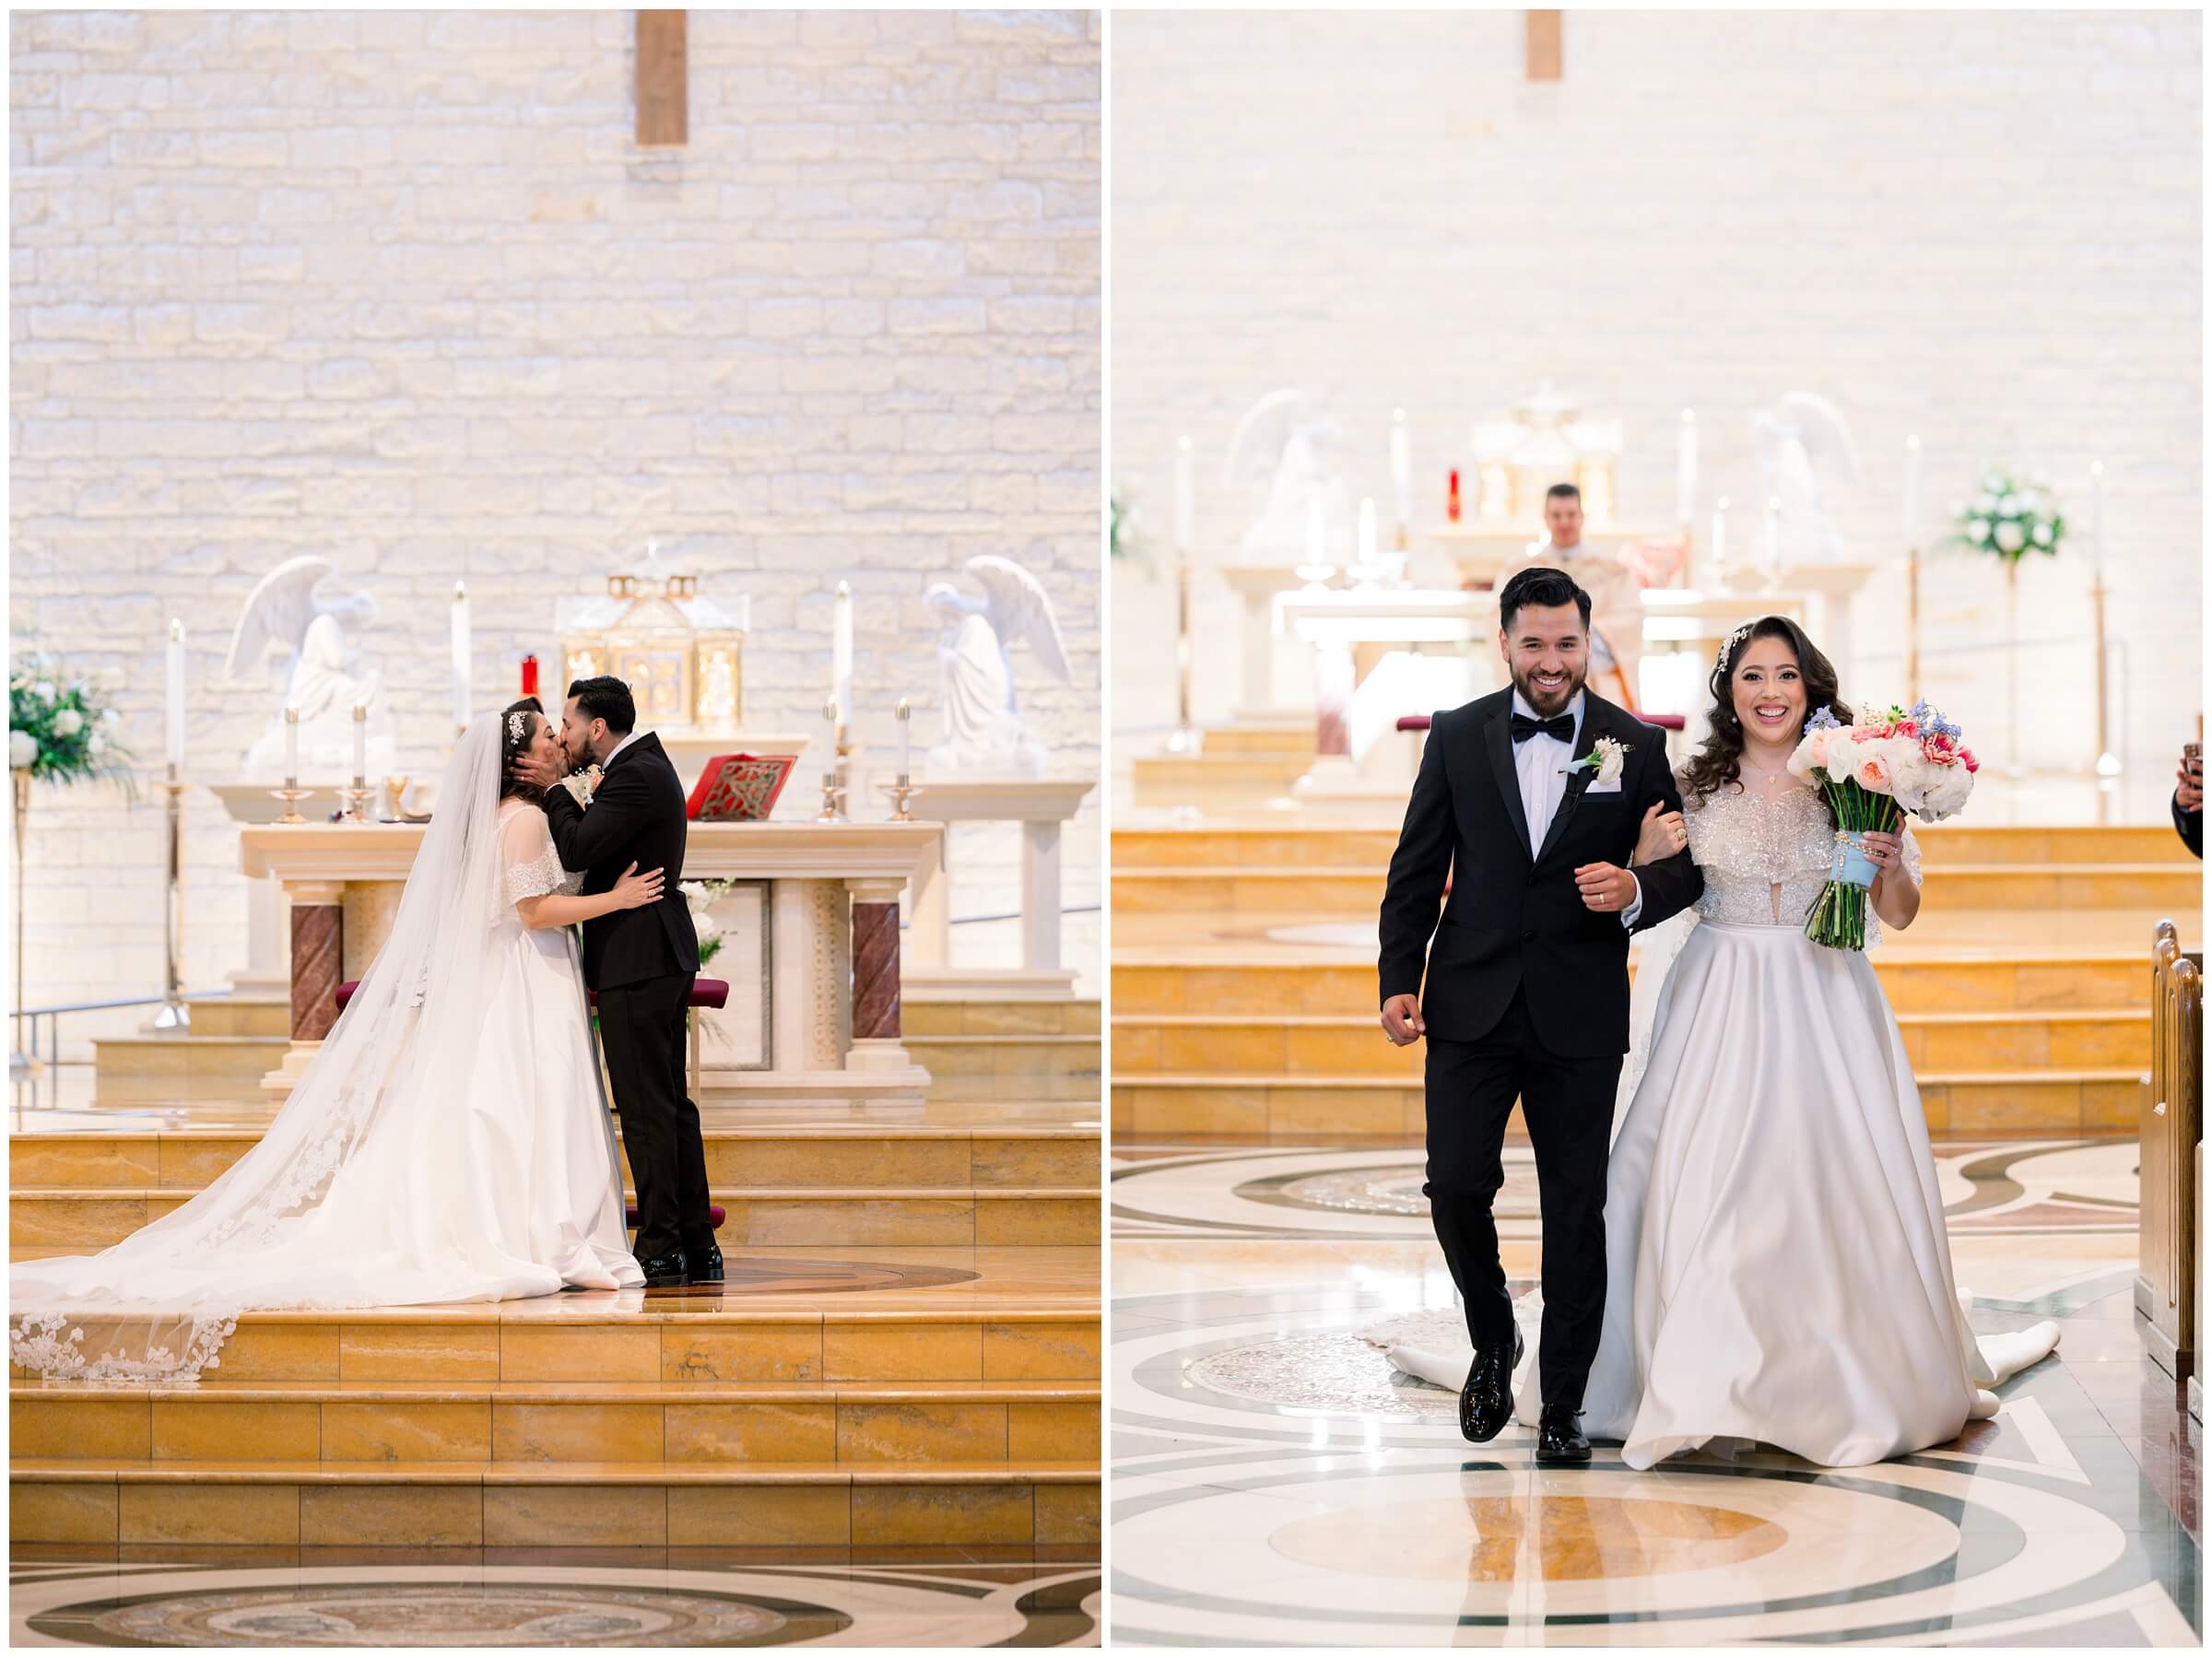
1562, 729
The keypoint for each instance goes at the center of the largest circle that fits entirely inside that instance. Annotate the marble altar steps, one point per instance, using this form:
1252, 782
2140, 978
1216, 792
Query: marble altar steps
993, 1050
2055, 1042
823, 1188
237, 1037
1244, 764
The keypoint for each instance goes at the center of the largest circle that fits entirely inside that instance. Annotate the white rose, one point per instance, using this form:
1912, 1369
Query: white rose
1842, 755
68, 723
702, 923
1986, 504
2008, 505
1611, 756
95, 745
2042, 535
44, 690
2010, 536
1978, 531
111, 716
22, 750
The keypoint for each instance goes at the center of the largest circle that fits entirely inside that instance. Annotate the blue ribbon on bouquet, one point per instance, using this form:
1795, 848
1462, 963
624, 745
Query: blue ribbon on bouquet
1851, 865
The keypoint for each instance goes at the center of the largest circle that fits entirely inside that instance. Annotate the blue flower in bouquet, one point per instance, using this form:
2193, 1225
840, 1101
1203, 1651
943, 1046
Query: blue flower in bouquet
1824, 720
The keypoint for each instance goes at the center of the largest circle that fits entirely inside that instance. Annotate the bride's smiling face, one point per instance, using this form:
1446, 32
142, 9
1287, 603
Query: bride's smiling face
1769, 691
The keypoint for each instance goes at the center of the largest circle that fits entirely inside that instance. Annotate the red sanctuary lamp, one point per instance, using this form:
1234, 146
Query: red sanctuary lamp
529, 675
1452, 497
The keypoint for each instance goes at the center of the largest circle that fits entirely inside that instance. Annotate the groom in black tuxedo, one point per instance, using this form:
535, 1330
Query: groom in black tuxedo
642, 962
1532, 816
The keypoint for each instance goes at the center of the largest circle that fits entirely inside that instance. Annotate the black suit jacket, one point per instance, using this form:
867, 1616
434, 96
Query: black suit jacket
2189, 825
637, 815
1516, 919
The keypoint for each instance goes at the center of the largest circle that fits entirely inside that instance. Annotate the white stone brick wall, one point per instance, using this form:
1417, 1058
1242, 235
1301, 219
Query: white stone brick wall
1982, 227
397, 288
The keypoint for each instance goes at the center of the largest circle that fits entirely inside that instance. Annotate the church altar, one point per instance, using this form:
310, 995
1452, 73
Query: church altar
810, 945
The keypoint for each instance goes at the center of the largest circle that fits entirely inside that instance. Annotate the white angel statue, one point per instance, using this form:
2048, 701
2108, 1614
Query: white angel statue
326, 675
1793, 440
1287, 439
984, 730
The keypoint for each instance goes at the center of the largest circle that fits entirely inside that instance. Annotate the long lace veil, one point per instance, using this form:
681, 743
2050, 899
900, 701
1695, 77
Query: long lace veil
346, 1198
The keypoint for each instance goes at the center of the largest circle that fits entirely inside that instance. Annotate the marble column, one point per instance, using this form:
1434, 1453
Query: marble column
1041, 897
876, 1028
318, 927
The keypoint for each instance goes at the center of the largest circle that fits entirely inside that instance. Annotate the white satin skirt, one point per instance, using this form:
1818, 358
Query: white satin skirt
1777, 1265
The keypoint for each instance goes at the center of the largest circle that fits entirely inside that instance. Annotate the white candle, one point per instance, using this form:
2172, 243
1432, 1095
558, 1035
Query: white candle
360, 744
1720, 535
1401, 465
1186, 496
2097, 517
1367, 531
841, 651
906, 728
1686, 470
1913, 493
176, 694
291, 745
461, 657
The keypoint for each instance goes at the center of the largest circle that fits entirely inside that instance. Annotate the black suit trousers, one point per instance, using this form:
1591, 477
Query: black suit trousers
1568, 1104
641, 1025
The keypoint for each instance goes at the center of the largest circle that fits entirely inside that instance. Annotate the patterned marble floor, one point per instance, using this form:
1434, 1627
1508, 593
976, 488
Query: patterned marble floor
1276, 1483
293, 1598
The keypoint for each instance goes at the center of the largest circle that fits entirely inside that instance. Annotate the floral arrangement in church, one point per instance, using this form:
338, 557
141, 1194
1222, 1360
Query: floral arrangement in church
2012, 516
59, 731
700, 893
1872, 772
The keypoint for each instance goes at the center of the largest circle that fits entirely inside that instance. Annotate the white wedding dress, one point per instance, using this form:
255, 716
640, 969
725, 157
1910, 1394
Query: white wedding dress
449, 1142
1777, 1265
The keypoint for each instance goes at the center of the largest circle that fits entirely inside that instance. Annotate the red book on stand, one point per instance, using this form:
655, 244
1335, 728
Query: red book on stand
740, 788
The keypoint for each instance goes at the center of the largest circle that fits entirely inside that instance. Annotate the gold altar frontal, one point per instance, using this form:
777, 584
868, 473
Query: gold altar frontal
805, 924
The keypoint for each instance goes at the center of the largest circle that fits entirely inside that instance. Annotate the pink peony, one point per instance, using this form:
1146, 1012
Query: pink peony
1873, 775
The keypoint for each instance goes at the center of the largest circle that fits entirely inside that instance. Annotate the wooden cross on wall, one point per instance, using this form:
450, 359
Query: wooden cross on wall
1544, 45
664, 81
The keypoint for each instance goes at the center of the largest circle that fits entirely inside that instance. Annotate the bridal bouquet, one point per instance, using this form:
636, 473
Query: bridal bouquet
1872, 773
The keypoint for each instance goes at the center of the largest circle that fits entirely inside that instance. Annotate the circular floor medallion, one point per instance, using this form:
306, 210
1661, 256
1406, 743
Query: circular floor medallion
1340, 1373
442, 1614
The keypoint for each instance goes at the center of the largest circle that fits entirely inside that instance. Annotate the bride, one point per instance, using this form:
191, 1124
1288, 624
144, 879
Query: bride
1777, 1268
449, 1141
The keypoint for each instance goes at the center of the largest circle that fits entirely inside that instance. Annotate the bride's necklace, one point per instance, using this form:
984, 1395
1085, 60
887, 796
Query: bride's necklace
1761, 781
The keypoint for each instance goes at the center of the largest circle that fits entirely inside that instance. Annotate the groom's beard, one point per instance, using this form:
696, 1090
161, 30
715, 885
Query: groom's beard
1526, 686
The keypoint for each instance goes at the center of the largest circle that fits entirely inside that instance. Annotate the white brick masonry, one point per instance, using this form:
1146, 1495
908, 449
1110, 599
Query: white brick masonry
1982, 227
397, 288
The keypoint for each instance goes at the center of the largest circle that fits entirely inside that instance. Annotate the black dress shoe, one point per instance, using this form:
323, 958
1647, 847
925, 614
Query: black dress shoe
667, 1271
1559, 1436
1486, 1402
706, 1263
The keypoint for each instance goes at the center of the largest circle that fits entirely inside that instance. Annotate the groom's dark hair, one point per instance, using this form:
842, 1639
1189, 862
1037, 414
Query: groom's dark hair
1546, 589
605, 698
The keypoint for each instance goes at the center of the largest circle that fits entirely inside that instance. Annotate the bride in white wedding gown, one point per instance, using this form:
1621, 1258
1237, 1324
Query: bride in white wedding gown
1777, 1265
449, 1141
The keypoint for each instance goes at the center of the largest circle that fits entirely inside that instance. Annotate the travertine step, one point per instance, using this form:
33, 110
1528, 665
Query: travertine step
1036, 1337
1056, 1067
1231, 848
1290, 739
66, 1220
1028, 1159
1930, 981
928, 1013
200, 1053
1216, 780
238, 1014
545, 1504
1278, 889
680, 1423
1322, 1109
1147, 1044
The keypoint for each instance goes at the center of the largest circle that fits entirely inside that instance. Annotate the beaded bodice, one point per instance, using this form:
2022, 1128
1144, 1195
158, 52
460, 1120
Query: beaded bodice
1765, 854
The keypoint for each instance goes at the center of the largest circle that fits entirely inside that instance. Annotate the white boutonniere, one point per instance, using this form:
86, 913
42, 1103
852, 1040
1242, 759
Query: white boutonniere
1604, 761
583, 783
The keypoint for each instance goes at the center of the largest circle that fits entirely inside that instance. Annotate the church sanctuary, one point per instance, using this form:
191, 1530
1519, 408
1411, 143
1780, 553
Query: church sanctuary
374, 372
1887, 323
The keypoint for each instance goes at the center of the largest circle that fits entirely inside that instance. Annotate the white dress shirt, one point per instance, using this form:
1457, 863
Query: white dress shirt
1541, 763
620, 746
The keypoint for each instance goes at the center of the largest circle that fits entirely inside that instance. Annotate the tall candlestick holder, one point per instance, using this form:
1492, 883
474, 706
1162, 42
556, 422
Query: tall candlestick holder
357, 800
834, 793
291, 793
1184, 739
1912, 686
174, 1014
902, 791
20, 1061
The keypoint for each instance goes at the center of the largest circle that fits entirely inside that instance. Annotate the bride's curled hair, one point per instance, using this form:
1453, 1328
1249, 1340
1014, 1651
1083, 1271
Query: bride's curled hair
512, 746
1714, 765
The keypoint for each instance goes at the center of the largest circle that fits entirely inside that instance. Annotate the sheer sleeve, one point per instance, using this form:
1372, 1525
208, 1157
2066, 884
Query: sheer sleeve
532, 866
1912, 851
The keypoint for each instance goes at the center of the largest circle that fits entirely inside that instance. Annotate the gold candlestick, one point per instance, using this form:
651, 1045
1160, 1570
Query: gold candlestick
174, 1014
902, 791
833, 775
291, 796
1184, 738
20, 1061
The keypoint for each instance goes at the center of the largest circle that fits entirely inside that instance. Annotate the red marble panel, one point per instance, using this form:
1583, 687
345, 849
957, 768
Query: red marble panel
318, 963
875, 971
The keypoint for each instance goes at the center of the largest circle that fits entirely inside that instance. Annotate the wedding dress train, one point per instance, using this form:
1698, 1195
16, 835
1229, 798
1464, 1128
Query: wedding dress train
449, 1142
1777, 1265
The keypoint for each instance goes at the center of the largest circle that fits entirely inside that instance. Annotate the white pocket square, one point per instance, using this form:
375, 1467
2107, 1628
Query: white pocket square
1604, 787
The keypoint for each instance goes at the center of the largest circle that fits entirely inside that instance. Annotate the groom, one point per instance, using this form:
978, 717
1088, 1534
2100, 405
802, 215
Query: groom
642, 962
1529, 800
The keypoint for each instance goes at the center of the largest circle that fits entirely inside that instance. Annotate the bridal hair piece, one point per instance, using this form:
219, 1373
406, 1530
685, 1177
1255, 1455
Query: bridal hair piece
516, 725
1728, 644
